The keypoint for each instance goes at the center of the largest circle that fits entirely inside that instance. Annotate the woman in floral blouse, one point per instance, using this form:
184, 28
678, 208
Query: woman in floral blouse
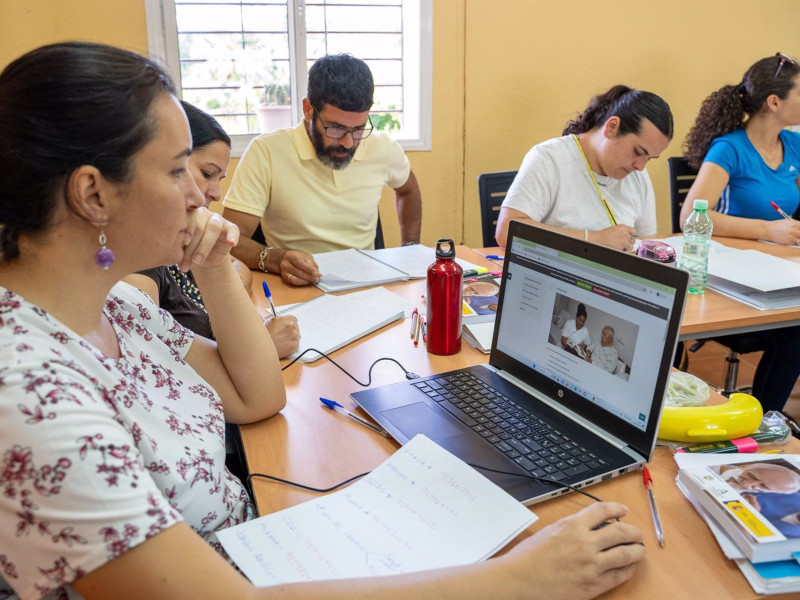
111, 413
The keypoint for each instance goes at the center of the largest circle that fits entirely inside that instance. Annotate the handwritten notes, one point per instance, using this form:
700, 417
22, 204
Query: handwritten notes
423, 508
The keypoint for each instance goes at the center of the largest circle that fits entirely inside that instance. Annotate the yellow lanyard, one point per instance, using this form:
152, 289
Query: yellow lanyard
610, 214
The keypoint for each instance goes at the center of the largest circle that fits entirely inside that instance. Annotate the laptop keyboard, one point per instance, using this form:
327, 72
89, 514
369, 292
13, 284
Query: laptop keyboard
534, 445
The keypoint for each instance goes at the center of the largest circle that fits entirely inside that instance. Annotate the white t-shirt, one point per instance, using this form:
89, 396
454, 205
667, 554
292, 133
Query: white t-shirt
554, 187
574, 335
99, 454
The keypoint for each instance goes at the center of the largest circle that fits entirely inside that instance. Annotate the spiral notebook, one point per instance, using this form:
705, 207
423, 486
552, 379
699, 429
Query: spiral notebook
348, 269
329, 322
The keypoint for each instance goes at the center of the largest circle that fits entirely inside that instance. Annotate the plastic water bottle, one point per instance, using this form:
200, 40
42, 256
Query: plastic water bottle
444, 300
696, 242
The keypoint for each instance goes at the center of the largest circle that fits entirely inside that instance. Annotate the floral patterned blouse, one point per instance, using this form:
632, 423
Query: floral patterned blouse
99, 454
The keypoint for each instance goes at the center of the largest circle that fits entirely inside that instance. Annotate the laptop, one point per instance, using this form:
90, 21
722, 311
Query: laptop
543, 407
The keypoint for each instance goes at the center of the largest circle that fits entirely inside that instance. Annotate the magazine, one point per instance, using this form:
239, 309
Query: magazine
755, 500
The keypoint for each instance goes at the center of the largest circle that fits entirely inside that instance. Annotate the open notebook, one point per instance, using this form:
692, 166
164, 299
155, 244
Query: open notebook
329, 322
348, 269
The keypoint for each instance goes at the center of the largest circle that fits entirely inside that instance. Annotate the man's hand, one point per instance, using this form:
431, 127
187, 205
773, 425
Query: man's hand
296, 267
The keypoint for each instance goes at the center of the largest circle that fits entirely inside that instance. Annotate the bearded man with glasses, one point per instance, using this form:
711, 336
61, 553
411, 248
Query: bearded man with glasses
316, 187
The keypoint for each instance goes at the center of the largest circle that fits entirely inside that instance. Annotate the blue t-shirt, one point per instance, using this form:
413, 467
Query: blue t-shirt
752, 182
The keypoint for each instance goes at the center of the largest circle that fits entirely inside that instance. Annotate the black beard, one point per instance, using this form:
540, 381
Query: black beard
325, 155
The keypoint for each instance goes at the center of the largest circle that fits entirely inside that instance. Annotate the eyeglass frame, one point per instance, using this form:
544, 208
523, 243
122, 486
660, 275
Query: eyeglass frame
783, 60
364, 131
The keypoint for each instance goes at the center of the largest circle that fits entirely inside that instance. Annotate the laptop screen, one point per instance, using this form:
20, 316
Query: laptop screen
595, 327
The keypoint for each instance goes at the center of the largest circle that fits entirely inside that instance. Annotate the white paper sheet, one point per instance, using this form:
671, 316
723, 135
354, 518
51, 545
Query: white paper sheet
422, 508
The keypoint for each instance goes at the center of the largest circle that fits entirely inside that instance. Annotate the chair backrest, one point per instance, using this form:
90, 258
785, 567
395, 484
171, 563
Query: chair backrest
681, 178
492, 188
379, 244
258, 236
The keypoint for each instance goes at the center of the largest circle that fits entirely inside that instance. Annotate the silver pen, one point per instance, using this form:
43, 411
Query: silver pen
648, 483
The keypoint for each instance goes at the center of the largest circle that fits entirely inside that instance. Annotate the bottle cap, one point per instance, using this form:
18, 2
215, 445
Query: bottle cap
449, 251
700, 205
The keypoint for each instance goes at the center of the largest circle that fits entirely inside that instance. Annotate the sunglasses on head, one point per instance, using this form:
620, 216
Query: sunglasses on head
783, 60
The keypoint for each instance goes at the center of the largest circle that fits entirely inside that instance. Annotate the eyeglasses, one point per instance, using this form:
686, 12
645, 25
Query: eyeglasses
783, 59
335, 132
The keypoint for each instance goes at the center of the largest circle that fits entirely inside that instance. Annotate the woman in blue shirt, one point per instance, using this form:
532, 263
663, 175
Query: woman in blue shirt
745, 156
747, 159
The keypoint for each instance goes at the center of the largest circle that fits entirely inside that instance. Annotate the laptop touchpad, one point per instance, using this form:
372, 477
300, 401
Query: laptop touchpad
421, 418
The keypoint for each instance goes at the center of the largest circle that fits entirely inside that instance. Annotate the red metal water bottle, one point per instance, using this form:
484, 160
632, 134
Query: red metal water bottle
444, 300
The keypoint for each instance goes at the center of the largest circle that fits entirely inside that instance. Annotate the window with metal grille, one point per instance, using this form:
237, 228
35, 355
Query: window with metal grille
246, 61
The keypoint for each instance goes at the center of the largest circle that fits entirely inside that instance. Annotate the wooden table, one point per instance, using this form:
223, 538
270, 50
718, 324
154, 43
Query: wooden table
309, 444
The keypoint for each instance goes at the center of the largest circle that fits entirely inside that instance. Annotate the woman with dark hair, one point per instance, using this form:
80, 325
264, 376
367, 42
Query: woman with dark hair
746, 159
745, 155
591, 183
575, 337
111, 437
176, 291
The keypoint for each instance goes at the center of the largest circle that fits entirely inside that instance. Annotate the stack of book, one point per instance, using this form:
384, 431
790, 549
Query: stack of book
479, 311
751, 503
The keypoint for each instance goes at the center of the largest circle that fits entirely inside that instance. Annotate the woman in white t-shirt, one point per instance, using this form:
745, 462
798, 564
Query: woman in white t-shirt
591, 183
575, 337
111, 413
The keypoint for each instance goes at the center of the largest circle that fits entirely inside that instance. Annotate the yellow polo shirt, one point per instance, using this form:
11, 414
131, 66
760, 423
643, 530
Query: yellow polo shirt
305, 205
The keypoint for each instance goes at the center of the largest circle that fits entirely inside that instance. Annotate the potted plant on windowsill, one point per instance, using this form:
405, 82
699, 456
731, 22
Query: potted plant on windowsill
275, 110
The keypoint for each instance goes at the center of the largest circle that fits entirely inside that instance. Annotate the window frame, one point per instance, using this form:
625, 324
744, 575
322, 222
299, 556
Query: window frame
162, 40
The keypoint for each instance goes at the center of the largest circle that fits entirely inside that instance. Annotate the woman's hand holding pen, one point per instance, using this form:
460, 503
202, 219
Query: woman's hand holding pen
783, 231
619, 237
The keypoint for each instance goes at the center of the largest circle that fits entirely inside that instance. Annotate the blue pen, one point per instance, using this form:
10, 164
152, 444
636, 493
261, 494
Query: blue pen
268, 294
333, 405
495, 257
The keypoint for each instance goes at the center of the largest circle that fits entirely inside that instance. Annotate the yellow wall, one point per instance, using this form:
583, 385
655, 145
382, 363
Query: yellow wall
531, 65
508, 74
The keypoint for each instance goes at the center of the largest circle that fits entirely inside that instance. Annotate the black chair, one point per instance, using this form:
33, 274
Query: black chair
258, 236
492, 188
681, 177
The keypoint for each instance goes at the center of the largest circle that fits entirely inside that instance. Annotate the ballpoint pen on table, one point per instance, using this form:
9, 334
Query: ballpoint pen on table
416, 332
268, 294
424, 331
333, 405
648, 484
781, 212
495, 257
414, 317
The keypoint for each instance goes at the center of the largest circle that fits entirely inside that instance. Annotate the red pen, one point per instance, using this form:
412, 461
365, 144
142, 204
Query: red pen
414, 317
781, 212
424, 331
648, 484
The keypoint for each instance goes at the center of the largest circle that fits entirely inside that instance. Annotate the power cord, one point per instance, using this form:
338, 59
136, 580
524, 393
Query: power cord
409, 374
346, 481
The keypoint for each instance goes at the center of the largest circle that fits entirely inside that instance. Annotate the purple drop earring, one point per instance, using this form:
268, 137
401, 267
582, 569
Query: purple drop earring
104, 257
